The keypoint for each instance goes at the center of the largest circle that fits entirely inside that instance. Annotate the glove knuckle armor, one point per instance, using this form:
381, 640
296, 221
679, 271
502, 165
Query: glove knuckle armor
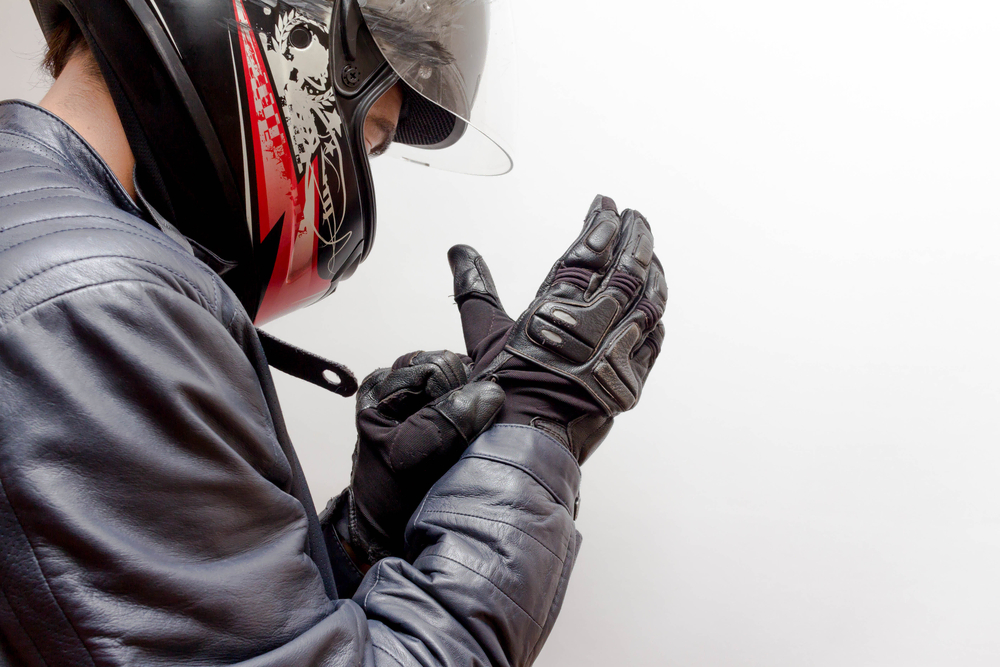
572, 330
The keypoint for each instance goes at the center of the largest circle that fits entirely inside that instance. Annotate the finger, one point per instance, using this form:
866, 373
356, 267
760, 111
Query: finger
368, 392
602, 203
590, 254
448, 372
645, 357
428, 376
633, 258
405, 360
471, 409
472, 276
576, 330
434, 438
483, 317
654, 296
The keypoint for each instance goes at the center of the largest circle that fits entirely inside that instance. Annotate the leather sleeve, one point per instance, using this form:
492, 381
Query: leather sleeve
148, 519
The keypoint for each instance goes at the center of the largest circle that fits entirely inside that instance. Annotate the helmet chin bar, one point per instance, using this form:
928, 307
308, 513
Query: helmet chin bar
360, 75
334, 178
354, 110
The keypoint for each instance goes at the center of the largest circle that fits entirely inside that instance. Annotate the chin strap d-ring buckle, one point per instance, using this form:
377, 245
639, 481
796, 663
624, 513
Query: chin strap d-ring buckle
308, 366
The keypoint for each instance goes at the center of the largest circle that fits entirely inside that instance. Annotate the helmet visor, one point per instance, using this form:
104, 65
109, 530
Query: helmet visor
458, 55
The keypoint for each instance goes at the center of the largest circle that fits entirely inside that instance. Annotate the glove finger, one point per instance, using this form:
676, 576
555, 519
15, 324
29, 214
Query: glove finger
590, 254
448, 372
405, 360
645, 357
647, 313
575, 330
472, 277
432, 440
654, 296
483, 317
431, 374
376, 427
368, 392
633, 259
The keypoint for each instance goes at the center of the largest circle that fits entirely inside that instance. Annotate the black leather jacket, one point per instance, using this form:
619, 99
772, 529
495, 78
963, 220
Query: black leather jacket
152, 510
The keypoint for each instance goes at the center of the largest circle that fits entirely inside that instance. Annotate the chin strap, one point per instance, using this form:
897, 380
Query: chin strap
307, 366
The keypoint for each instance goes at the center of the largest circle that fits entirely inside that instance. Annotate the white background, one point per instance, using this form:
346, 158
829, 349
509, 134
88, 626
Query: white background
812, 475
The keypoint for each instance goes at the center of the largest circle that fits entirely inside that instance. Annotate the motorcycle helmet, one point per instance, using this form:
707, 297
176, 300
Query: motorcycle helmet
246, 119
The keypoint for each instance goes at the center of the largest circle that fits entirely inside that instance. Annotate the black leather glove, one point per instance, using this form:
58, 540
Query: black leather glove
579, 355
414, 421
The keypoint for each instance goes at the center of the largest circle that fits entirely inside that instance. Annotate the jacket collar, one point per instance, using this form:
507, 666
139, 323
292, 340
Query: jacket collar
52, 137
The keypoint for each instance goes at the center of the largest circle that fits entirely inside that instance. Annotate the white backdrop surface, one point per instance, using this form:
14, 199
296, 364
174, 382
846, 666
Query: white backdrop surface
811, 477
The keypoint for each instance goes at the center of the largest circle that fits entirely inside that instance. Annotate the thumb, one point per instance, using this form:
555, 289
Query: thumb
433, 439
472, 409
483, 317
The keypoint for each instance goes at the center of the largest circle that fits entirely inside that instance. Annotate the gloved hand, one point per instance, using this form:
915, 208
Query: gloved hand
414, 421
579, 355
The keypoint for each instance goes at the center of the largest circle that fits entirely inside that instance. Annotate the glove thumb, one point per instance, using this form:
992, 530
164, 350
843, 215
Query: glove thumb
437, 435
483, 317
472, 409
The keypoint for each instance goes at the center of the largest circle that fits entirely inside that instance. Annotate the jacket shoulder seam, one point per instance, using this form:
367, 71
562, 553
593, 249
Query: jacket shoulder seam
84, 259
78, 288
213, 302
136, 230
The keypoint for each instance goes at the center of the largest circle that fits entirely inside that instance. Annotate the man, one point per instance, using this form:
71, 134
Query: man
151, 212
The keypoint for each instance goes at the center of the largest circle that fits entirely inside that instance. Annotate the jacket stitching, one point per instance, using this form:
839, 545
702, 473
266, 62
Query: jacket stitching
122, 231
419, 512
232, 319
378, 575
38, 199
562, 447
31, 166
41, 189
3, 325
75, 216
45, 578
484, 577
45, 147
107, 173
85, 259
394, 658
524, 468
217, 305
563, 583
141, 232
506, 523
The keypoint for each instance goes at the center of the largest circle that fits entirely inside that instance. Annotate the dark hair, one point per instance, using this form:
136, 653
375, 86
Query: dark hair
64, 41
